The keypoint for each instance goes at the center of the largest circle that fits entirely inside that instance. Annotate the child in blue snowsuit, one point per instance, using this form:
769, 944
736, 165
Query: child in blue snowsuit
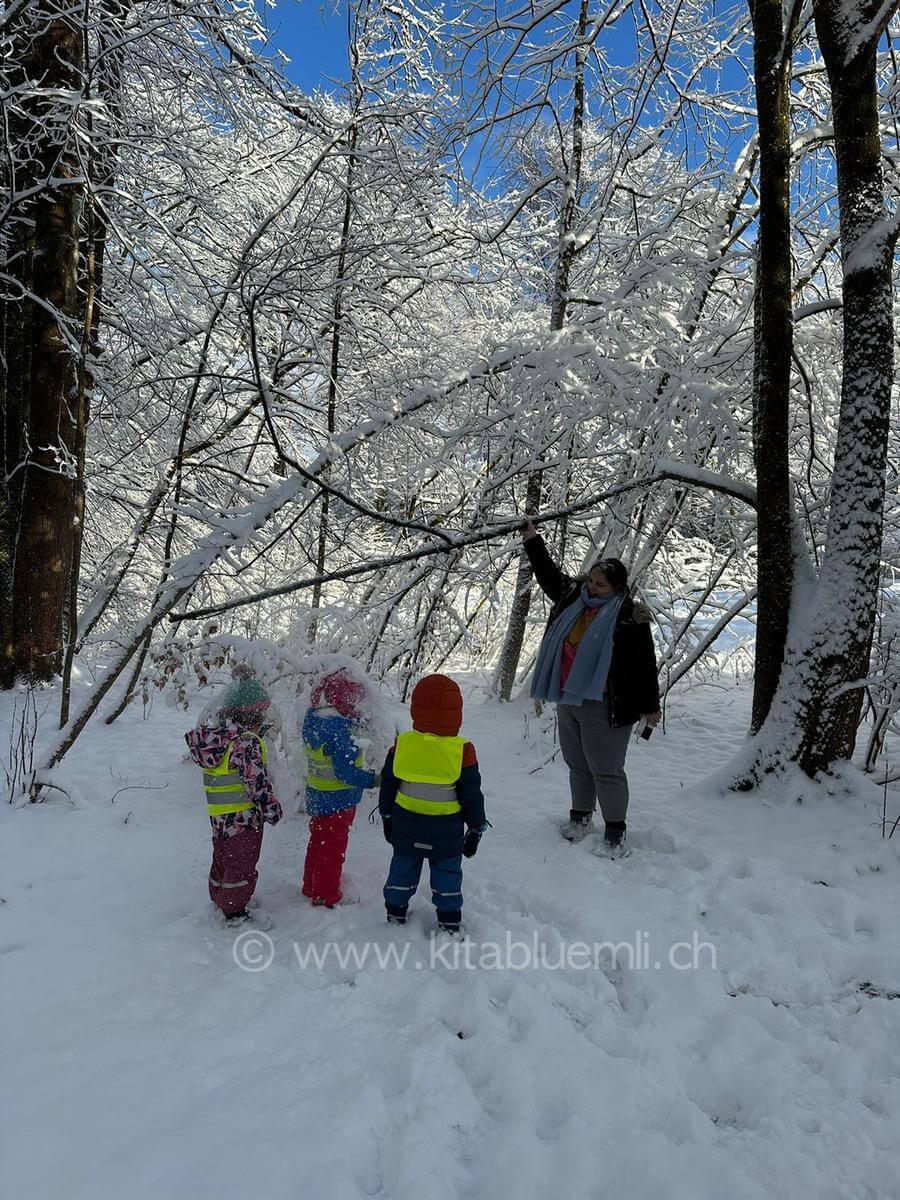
335, 781
431, 804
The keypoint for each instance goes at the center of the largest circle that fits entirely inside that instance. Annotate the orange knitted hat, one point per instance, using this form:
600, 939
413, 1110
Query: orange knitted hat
437, 706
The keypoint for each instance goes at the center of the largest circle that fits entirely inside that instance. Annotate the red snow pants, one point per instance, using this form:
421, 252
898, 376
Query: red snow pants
325, 856
232, 876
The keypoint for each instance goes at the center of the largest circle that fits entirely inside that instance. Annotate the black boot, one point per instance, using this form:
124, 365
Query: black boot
614, 835
450, 924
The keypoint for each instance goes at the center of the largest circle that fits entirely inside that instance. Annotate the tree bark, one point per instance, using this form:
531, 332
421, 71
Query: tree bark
19, 179
508, 663
43, 544
773, 337
92, 274
511, 652
337, 320
816, 710
102, 172
852, 562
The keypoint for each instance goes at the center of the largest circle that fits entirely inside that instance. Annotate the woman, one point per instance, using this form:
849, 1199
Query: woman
597, 664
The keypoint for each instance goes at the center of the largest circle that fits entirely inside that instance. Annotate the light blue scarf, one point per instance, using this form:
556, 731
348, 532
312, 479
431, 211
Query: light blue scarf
587, 677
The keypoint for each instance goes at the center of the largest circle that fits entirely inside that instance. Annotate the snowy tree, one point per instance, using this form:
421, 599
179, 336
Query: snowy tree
815, 713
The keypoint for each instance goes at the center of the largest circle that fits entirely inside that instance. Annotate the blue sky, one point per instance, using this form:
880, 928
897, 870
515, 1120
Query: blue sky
313, 35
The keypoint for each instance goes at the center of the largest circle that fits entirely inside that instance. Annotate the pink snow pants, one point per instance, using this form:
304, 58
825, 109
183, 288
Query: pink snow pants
232, 876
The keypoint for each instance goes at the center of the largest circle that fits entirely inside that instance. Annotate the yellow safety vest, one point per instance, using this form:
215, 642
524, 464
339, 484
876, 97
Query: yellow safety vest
320, 774
222, 781
428, 767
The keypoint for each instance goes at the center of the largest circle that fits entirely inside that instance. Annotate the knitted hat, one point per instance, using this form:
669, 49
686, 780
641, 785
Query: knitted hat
437, 706
245, 697
339, 691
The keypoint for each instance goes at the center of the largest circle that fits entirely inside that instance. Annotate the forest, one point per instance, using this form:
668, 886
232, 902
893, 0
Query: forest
298, 365
522, 372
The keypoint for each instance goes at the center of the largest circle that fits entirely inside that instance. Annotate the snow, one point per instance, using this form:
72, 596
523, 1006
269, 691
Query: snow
139, 1060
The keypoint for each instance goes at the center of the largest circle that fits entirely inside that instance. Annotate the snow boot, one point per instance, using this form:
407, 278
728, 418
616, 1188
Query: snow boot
396, 919
614, 839
456, 933
238, 918
578, 826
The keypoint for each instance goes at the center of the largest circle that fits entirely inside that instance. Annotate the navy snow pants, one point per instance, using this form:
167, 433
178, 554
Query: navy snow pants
446, 885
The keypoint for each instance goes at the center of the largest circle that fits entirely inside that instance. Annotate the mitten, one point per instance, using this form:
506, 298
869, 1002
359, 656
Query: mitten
470, 845
386, 823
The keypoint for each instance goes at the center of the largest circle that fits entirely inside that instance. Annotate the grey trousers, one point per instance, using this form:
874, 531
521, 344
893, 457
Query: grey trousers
595, 753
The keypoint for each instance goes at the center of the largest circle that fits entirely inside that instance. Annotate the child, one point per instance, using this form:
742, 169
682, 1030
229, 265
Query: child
430, 791
335, 782
239, 793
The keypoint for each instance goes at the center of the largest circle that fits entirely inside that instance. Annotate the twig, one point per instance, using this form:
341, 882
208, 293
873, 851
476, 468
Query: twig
138, 787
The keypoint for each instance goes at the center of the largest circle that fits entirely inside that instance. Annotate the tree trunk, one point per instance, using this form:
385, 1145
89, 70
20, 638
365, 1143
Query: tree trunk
815, 713
511, 652
337, 318
43, 544
19, 177
93, 252
508, 663
15, 363
773, 334
852, 561
102, 171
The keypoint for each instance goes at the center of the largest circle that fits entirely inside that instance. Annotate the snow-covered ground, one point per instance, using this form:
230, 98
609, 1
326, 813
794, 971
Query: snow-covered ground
139, 1059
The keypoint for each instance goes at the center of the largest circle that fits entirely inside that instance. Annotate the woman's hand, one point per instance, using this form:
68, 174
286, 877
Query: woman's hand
652, 718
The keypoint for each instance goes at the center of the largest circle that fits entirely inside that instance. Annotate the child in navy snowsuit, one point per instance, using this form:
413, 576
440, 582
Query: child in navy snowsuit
431, 804
240, 798
335, 781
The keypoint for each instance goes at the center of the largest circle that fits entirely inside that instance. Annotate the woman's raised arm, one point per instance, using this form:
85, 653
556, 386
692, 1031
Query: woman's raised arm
552, 580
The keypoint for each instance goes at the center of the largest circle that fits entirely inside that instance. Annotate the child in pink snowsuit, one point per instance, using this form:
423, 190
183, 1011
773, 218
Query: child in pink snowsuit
239, 794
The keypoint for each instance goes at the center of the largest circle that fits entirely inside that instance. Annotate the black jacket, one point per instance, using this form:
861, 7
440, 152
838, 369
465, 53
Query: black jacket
632, 684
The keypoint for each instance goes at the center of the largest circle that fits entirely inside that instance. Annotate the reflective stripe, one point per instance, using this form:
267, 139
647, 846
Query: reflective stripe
219, 884
231, 782
221, 810
319, 768
435, 792
424, 806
